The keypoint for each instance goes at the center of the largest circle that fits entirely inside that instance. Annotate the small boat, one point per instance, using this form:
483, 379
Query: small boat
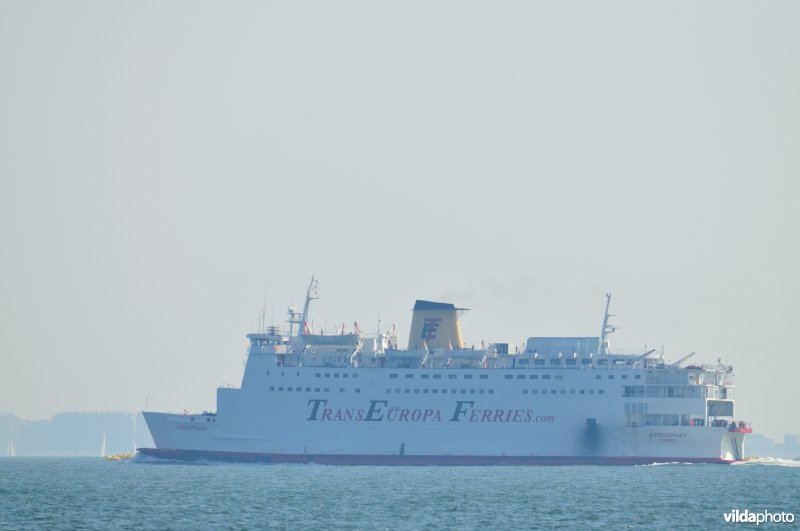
127, 456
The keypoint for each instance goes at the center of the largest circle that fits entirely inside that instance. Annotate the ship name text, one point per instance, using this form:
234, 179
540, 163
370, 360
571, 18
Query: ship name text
380, 411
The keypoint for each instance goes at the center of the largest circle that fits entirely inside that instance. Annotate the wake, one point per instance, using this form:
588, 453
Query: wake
770, 461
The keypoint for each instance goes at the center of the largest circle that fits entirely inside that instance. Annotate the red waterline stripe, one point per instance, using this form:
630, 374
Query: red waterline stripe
417, 460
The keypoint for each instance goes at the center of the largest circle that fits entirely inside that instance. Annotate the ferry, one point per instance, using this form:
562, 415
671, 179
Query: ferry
358, 399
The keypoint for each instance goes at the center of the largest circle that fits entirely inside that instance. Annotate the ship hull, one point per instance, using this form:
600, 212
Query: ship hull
290, 416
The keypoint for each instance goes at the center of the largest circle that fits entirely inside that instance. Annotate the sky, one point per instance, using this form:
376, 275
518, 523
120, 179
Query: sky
167, 167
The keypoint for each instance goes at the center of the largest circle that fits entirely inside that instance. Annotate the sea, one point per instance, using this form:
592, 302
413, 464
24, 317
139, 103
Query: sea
145, 493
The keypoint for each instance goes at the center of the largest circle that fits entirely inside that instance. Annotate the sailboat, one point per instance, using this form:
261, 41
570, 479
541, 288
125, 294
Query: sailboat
103, 447
10, 452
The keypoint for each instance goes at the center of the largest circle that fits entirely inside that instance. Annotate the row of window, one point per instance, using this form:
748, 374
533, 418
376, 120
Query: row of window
308, 389
563, 391
443, 391
438, 376
664, 391
426, 391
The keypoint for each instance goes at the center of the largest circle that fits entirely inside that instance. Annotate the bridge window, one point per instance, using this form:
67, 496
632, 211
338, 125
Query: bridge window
633, 390
437, 376
520, 377
484, 376
409, 375
509, 376
468, 377
392, 376
425, 376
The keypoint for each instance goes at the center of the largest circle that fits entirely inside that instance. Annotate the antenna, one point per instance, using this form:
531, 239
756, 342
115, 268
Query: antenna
263, 323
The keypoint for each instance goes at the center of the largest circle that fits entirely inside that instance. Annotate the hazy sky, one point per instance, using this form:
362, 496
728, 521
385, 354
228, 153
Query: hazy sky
163, 165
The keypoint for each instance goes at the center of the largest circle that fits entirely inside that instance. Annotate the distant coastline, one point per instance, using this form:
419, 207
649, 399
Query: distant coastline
78, 434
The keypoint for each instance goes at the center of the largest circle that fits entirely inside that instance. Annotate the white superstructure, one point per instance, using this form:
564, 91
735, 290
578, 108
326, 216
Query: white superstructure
354, 399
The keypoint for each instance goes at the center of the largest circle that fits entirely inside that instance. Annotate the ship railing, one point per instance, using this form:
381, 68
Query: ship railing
654, 353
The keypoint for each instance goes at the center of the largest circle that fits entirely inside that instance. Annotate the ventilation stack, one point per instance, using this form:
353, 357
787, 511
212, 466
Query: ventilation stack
434, 325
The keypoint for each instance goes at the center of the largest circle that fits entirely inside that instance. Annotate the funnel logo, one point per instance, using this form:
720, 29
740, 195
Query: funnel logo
430, 327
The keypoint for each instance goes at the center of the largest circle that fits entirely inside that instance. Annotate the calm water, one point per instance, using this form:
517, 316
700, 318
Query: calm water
50, 493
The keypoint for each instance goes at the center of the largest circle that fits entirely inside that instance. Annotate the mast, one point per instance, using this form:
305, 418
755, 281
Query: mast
608, 328
313, 286
312, 293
